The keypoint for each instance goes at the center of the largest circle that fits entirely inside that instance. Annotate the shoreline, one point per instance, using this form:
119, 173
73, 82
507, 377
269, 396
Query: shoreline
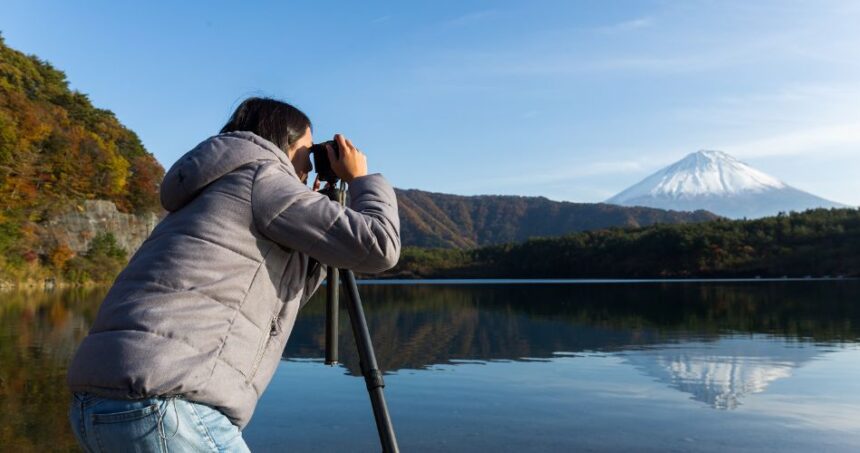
31, 285
593, 281
46, 285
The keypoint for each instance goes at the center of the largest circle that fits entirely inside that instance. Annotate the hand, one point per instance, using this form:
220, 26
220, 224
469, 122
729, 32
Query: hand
316, 185
351, 164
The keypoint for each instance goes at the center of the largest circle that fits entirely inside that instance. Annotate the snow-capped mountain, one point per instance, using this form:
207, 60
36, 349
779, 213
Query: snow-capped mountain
717, 182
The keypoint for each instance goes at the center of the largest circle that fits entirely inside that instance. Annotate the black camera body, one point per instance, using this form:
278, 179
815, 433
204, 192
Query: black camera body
322, 165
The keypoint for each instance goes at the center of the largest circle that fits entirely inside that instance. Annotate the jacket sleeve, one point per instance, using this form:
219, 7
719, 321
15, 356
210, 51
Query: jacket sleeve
365, 237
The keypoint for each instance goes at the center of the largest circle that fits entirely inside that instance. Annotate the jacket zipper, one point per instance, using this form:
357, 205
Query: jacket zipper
258, 358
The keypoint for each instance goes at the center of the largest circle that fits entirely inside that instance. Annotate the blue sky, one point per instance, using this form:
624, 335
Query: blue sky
572, 100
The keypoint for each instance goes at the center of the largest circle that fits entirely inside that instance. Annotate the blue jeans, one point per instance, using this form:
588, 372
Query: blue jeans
151, 425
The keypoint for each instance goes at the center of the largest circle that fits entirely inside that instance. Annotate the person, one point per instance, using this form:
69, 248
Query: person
192, 330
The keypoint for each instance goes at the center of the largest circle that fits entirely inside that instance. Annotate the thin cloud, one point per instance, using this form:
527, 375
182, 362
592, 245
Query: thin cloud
762, 112
627, 25
568, 171
795, 119
533, 60
845, 136
539, 53
814, 92
470, 18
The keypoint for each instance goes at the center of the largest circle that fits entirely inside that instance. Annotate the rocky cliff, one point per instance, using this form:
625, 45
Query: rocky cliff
79, 226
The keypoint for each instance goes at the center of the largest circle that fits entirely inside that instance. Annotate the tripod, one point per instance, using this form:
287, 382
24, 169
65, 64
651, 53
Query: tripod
366, 355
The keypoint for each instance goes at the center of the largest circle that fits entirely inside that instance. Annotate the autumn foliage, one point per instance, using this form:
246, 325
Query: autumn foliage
56, 150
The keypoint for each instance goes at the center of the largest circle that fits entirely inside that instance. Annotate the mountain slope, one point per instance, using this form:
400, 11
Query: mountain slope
56, 151
441, 220
717, 182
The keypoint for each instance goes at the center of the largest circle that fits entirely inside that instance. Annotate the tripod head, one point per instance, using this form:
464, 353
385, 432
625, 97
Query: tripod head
335, 192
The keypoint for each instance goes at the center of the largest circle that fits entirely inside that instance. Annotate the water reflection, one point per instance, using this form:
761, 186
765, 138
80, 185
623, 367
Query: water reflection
721, 372
38, 333
717, 343
419, 326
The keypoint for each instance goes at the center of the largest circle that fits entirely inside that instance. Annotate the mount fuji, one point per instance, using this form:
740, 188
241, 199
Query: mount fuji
719, 183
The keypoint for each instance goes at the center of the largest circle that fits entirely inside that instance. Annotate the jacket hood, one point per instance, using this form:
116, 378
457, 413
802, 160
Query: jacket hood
212, 159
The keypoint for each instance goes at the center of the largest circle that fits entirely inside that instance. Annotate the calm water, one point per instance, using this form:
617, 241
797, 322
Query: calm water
705, 366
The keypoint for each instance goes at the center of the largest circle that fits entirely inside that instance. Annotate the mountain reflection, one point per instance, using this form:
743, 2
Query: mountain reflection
414, 327
717, 343
723, 371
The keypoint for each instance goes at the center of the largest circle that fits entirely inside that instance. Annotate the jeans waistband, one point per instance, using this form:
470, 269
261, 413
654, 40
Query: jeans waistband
86, 399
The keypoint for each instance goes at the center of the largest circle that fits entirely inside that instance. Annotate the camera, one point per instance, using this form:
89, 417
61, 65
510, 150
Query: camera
322, 163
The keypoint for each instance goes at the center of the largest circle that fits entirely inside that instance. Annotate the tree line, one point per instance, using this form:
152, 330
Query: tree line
820, 242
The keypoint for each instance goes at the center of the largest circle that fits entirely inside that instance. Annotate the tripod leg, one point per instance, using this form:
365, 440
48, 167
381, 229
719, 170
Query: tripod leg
369, 368
332, 312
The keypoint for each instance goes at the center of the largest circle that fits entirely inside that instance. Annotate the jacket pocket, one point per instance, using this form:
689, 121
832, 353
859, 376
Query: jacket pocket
265, 339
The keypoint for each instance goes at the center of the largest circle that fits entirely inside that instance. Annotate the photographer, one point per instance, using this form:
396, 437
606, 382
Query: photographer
193, 329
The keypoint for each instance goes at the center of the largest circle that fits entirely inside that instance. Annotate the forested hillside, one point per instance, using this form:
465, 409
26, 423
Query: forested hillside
442, 220
57, 150
813, 243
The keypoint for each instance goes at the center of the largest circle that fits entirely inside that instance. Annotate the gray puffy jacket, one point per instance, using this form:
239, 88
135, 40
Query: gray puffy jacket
205, 306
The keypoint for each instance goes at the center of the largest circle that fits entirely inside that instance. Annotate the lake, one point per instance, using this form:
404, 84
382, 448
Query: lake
525, 366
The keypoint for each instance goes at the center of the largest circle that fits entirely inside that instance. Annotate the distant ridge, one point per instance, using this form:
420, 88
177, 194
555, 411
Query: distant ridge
431, 219
719, 183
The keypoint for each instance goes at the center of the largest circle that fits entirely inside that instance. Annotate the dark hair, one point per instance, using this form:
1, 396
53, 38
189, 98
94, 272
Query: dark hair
276, 121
